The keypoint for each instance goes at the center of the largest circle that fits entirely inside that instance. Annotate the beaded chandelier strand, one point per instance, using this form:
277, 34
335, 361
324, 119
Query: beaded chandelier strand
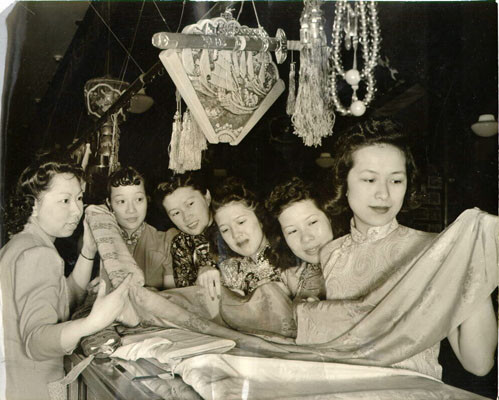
345, 25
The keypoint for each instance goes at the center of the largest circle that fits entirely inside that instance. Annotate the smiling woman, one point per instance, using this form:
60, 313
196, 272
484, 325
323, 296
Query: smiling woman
185, 199
369, 266
376, 185
127, 199
306, 227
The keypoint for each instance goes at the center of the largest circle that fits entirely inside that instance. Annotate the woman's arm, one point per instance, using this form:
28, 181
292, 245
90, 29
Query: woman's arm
104, 312
41, 300
475, 340
80, 276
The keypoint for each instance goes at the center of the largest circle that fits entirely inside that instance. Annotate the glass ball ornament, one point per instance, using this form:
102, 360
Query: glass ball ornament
358, 108
352, 76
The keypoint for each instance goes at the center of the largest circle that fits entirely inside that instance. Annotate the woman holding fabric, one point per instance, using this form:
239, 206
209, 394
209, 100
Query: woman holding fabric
36, 296
393, 292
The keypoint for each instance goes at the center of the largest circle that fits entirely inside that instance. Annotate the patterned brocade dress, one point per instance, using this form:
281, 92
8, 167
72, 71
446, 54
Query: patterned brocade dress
189, 254
244, 275
357, 264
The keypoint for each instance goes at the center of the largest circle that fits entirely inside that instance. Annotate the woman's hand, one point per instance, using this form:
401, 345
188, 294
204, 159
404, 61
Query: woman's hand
89, 247
108, 307
209, 278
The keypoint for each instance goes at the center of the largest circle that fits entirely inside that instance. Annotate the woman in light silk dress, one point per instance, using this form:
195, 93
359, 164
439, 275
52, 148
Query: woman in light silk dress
374, 172
150, 248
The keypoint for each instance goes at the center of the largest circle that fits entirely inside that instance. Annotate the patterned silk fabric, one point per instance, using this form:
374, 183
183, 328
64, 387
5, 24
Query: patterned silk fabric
245, 275
364, 262
305, 281
190, 253
395, 293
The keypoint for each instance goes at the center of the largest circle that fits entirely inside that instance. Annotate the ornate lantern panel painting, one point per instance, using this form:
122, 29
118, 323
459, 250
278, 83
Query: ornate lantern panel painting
227, 91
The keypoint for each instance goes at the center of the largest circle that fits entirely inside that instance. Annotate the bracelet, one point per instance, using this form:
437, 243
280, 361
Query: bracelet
85, 257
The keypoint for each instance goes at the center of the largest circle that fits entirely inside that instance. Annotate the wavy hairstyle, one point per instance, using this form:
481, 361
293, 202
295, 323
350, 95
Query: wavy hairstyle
33, 181
234, 189
125, 176
283, 196
369, 133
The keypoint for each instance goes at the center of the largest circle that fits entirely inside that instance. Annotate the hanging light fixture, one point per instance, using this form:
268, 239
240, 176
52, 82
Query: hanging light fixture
486, 126
354, 24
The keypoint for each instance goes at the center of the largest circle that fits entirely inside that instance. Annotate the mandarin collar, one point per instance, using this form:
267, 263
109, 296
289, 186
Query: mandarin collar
260, 254
133, 238
374, 233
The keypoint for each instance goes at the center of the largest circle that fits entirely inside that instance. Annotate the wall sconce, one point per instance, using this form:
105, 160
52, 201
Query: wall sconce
486, 126
324, 160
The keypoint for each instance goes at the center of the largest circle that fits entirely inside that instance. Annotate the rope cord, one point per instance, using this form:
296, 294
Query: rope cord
161, 15
181, 16
256, 14
240, 10
117, 39
125, 66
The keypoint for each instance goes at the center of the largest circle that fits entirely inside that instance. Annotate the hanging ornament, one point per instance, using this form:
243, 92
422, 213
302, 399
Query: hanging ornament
290, 104
187, 143
173, 149
347, 19
100, 94
114, 164
313, 117
225, 73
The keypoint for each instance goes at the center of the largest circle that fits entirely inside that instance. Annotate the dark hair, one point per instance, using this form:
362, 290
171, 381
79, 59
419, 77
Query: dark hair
33, 181
369, 133
283, 196
125, 176
193, 179
234, 189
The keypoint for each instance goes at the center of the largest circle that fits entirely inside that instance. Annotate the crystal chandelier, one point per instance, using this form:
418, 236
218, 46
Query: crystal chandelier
354, 24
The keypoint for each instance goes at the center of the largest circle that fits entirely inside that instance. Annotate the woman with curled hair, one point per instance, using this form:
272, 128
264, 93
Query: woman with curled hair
244, 226
369, 133
186, 200
405, 284
150, 248
304, 224
36, 296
